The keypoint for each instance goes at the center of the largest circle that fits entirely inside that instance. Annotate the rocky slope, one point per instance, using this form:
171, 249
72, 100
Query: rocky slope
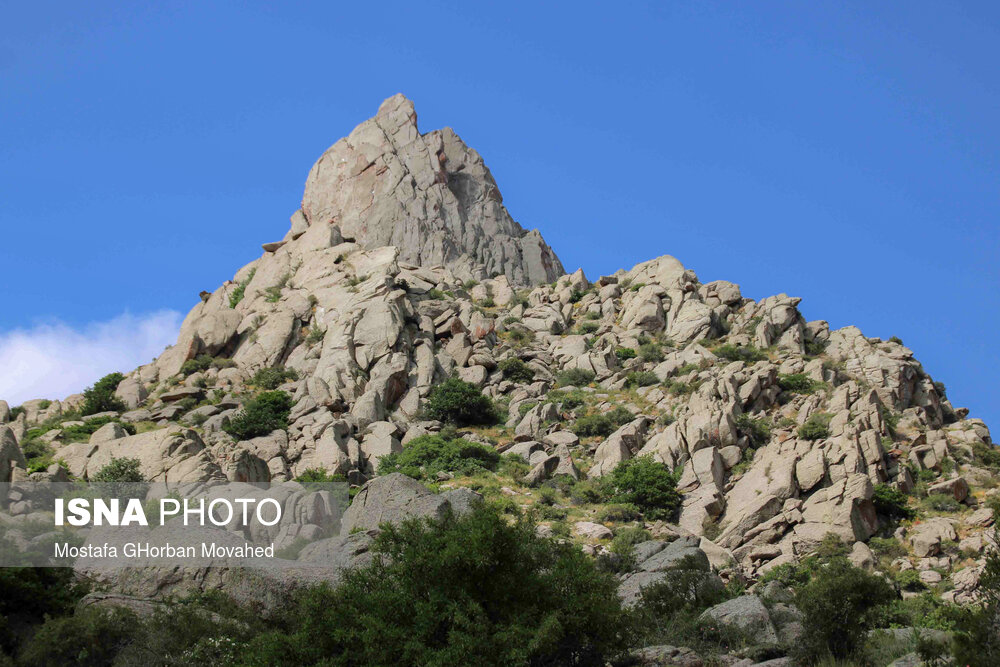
403, 268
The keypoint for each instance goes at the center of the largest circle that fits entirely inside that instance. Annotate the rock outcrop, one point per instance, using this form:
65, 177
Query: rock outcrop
430, 195
403, 269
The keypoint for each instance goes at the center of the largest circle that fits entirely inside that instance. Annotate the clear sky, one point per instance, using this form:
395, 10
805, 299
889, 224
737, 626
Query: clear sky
843, 152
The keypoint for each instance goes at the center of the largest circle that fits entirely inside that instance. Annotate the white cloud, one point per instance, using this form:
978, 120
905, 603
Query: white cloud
53, 359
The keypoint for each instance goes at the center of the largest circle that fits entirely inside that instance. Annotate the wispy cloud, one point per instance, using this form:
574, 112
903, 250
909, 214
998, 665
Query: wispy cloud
53, 359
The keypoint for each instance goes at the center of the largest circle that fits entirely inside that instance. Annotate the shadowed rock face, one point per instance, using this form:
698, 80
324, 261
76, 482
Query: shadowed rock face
386, 184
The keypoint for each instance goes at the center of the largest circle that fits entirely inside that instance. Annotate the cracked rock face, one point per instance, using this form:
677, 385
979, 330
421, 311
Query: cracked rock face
433, 197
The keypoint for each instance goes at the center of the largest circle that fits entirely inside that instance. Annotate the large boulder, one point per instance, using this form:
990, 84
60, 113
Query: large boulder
10, 454
391, 499
165, 455
745, 613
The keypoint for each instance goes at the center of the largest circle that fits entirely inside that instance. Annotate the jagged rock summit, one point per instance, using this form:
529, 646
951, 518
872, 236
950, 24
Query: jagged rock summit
386, 184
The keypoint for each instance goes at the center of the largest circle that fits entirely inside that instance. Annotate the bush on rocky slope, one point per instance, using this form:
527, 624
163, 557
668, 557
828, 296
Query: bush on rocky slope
460, 403
575, 377
515, 370
840, 604
262, 414
101, 397
272, 378
119, 471
470, 590
424, 457
891, 502
646, 484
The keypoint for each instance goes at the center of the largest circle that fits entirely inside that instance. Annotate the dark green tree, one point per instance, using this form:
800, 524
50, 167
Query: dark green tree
650, 486
101, 397
471, 590
461, 403
266, 412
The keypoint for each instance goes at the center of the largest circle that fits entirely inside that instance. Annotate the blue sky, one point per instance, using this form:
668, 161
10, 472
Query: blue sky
843, 152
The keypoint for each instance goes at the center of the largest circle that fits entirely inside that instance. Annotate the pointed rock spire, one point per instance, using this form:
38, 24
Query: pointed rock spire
429, 194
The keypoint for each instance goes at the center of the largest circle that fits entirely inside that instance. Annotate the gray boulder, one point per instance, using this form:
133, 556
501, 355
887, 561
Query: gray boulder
396, 497
745, 613
10, 454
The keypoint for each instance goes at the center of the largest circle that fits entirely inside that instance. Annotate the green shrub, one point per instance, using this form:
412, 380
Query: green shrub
266, 412
688, 588
626, 538
895, 339
909, 580
237, 294
548, 495
588, 492
460, 403
568, 400
840, 604
272, 378
91, 638
200, 363
203, 362
887, 547
620, 415
677, 388
942, 502
575, 377
891, 502
206, 629
513, 466
668, 612
650, 352
748, 354
646, 484
593, 425
757, 430
890, 418
315, 335
591, 315
814, 347
120, 471
587, 327
798, 383
816, 427
427, 455
519, 336
641, 379
624, 353
516, 370
524, 407
28, 595
986, 455
101, 397
619, 513
37, 454
477, 589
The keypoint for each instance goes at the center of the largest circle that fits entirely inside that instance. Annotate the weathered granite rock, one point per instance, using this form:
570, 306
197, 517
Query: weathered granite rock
428, 194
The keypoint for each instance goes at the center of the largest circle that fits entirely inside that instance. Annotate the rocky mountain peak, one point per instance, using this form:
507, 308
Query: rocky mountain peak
780, 436
430, 195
